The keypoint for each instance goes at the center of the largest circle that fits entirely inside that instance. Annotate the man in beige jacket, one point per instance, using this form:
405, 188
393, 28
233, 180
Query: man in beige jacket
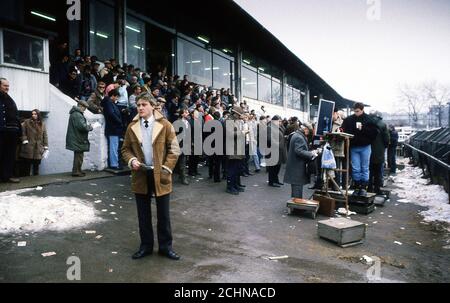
151, 150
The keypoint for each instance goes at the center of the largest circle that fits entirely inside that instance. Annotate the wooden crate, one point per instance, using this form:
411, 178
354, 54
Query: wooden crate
327, 205
342, 231
362, 209
303, 205
362, 200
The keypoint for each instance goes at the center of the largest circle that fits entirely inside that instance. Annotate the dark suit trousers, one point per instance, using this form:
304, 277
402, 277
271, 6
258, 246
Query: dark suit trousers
145, 218
8, 145
375, 177
273, 173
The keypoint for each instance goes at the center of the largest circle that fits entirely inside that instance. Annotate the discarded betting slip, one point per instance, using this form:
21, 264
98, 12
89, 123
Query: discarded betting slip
277, 258
48, 254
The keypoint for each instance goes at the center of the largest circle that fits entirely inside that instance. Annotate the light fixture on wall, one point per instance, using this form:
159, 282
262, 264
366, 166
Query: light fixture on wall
246, 61
133, 29
204, 39
261, 69
102, 35
43, 16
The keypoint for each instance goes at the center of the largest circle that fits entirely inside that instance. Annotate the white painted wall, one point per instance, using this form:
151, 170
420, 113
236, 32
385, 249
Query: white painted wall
28, 88
60, 160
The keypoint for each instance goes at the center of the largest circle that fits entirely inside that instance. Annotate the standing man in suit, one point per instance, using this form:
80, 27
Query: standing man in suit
151, 150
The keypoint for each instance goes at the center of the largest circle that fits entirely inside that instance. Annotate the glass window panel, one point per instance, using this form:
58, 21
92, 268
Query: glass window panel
23, 50
249, 83
288, 89
135, 42
102, 29
195, 62
221, 72
296, 99
264, 89
277, 97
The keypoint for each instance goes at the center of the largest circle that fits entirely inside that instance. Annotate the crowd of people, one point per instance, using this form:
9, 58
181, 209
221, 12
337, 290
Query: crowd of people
113, 90
140, 113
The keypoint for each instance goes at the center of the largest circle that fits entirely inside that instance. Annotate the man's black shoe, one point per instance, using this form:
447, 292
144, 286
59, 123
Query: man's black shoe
242, 185
233, 192
279, 183
141, 254
240, 189
169, 254
274, 185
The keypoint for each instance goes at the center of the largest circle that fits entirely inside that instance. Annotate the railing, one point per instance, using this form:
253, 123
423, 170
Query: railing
437, 170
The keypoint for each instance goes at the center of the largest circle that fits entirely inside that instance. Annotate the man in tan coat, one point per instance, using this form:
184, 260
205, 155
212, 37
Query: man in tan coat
151, 150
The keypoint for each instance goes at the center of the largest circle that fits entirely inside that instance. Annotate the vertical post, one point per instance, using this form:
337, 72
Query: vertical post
238, 74
120, 47
448, 184
347, 148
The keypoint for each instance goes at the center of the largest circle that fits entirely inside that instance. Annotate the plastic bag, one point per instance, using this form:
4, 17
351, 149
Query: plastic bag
328, 160
45, 154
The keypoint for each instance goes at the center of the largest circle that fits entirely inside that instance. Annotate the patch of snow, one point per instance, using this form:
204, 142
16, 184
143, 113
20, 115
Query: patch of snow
414, 189
36, 214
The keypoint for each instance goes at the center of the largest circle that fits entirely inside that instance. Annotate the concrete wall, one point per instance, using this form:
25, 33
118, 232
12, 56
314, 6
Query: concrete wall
60, 160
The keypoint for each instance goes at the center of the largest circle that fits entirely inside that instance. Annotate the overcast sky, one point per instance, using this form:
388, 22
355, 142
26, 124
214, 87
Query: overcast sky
363, 60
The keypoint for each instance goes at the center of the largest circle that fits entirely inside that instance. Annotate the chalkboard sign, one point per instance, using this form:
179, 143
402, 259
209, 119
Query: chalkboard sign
325, 120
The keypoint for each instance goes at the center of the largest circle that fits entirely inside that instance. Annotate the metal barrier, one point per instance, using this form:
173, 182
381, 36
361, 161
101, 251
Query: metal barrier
430, 150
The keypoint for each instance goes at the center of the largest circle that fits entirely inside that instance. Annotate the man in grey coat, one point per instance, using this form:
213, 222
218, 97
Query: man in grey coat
298, 157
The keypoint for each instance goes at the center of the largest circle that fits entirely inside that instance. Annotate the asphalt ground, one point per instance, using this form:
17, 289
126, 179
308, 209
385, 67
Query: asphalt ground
224, 238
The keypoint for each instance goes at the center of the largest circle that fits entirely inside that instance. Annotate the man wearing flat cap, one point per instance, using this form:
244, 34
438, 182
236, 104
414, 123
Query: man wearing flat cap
77, 136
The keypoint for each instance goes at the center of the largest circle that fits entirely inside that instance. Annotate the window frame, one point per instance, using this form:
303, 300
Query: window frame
45, 54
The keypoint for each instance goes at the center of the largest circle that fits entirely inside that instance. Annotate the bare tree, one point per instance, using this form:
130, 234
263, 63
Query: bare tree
437, 95
414, 99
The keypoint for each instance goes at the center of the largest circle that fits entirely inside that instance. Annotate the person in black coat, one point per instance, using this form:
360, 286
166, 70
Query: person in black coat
71, 85
113, 127
276, 142
392, 149
10, 130
365, 132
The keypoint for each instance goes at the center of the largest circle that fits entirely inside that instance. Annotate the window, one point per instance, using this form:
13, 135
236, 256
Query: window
195, 62
249, 83
288, 94
221, 72
23, 50
135, 42
296, 99
264, 89
102, 29
277, 97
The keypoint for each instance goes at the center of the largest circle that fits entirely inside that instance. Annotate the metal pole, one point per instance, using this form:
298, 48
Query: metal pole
347, 142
